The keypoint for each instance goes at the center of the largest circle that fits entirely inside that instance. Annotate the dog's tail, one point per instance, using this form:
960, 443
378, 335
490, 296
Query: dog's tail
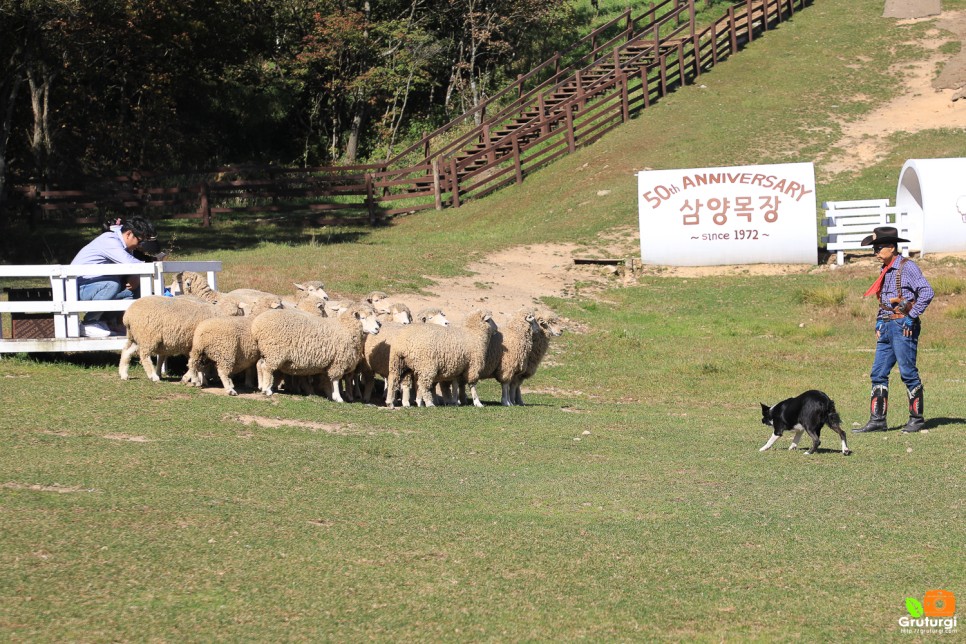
834, 420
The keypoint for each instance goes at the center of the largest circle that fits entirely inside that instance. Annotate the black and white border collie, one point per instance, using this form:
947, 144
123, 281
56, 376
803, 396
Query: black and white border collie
807, 412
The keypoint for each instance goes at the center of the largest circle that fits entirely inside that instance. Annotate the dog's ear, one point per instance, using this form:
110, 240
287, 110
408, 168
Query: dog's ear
764, 409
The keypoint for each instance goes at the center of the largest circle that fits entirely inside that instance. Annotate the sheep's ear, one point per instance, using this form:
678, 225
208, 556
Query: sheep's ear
300, 287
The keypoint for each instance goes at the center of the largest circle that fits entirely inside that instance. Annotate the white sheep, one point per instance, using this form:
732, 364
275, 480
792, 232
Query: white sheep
165, 326
398, 313
509, 350
431, 315
440, 354
303, 291
548, 326
304, 345
229, 344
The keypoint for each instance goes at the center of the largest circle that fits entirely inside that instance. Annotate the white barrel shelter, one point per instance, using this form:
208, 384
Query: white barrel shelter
932, 195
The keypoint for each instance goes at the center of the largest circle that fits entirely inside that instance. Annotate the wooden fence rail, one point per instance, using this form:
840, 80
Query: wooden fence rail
631, 63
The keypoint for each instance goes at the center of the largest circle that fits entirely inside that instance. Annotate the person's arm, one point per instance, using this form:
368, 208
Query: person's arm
922, 291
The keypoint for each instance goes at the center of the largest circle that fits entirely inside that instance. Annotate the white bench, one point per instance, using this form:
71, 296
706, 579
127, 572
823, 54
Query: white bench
65, 307
849, 222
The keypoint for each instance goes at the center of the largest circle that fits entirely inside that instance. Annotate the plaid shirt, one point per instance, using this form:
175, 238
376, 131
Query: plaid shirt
914, 287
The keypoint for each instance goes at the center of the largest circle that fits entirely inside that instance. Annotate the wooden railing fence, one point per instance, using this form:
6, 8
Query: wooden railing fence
629, 63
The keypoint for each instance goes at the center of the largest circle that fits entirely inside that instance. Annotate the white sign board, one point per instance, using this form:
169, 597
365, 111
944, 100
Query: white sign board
761, 214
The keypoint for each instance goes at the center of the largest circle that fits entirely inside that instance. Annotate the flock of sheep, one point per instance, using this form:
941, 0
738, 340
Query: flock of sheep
335, 348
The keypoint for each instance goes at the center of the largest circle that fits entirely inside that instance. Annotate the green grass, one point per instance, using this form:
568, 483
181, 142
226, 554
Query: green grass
664, 522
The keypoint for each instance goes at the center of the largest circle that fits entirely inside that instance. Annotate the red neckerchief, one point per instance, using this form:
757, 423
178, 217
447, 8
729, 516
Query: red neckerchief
876, 287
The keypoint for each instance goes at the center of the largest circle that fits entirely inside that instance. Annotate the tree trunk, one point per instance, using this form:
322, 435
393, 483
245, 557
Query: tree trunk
40, 141
352, 145
6, 127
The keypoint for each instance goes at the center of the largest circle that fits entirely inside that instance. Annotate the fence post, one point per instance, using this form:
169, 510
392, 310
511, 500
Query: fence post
748, 18
516, 158
488, 142
571, 135
370, 200
204, 207
681, 72
625, 102
437, 189
425, 144
645, 87
580, 87
696, 45
691, 17
714, 43
454, 183
732, 29
544, 123
663, 75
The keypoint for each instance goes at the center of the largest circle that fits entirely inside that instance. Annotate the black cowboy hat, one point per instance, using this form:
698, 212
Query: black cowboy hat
883, 236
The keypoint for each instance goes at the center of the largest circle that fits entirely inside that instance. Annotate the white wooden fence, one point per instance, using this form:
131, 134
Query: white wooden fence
65, 307
849, 222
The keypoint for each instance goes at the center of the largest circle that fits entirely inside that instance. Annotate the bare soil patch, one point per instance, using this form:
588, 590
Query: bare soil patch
275, 423
927, 102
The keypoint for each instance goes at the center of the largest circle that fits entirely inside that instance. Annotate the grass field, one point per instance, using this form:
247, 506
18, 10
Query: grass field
628, 501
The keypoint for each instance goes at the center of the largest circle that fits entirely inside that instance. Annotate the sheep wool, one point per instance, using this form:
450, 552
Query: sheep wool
548, 326
509, 350
228, 343
297, 344
165, 326
440, 354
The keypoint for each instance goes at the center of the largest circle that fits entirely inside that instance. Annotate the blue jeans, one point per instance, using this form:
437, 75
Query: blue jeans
893, 347
105, 289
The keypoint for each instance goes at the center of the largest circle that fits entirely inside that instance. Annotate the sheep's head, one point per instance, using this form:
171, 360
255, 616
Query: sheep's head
366, 315
378, 300
400, 313
228, 308
338, 307
529, 316
432, 315
315, 289
549, 324
192, 283
480, 318
265, 303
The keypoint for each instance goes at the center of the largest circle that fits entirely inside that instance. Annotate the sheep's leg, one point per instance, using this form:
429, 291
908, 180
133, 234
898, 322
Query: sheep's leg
226, 381
250, 377
515, 396
193, 375
266, 377
407, 388
149, 367
335, 379
476, 398
126, 353
505, 395
423, 394
369, 383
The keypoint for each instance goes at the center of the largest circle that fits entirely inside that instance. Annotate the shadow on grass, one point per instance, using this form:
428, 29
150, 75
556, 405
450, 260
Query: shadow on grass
58, 243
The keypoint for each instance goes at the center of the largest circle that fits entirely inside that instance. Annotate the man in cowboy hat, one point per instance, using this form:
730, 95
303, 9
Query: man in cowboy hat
903, 295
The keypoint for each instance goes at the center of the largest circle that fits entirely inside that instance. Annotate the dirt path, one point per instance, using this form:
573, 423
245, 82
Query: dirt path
520, 276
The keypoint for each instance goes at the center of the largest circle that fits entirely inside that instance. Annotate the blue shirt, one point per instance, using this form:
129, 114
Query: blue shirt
914, 287
106, 248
